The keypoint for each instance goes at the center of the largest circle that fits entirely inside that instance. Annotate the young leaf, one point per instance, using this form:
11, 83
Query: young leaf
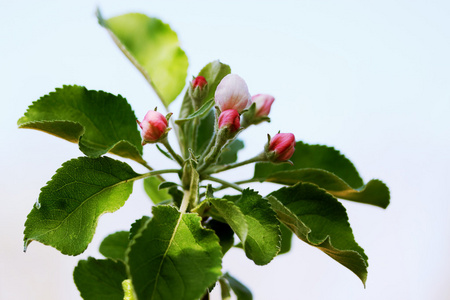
241, 291
78, 194
375, 192
232, 214
100, 279
318, 219
157, 195
213, 72
317, 157
99, 122
229, 153
153, 47
205, 132
174, 257
200, 113
115, 245
263, 238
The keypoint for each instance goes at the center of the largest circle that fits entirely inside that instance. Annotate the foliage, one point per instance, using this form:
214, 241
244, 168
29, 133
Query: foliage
177, 252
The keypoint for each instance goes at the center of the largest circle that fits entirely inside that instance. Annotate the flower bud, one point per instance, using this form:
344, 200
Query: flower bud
230, 119
281, 147
232, 93
263, 104
154, 127
198, 90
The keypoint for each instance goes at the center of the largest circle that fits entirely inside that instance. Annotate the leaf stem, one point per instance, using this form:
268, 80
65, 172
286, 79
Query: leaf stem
185, 201
248, 181
145, 164
257, 158
155, 173
224, 183
177, 157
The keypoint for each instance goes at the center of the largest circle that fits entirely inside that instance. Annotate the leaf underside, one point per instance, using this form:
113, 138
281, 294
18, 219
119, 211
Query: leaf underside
153, 47
328, 169
318, 219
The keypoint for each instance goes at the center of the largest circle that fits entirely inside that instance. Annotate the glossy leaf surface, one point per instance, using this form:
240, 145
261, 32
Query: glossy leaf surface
174, 257
78, 194
100, 279
99, 122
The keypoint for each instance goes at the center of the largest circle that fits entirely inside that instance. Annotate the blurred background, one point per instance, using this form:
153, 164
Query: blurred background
371, 78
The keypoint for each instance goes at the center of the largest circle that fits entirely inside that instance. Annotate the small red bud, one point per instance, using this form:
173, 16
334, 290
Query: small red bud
281, 147
199, 81
153, 127
230, 118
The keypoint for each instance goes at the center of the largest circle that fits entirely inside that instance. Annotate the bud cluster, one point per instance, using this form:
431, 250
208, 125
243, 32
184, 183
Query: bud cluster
233, 101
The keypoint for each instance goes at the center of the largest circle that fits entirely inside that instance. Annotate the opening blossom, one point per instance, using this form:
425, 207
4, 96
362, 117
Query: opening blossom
281, 147
232, 93
154, 126
230, 118
263, 104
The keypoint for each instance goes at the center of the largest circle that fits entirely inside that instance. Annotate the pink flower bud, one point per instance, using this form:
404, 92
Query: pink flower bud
281, 147
153, 127
263, 104
232, 93
230, 118
199, 81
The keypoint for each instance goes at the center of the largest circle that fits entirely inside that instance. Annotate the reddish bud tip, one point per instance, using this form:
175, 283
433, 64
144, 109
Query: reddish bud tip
281, 147
153, 127
199, 81
230, 118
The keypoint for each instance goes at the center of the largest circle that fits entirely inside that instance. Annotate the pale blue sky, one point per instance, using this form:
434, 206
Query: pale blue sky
371, 78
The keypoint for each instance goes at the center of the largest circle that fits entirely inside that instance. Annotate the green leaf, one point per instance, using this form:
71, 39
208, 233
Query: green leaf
233, 215
229, 153
157, 195
153, 47
205, 132
318, 219
241, 291
100, 279
78, 194
200, 113
286, 239
224, 232
99, 122
174, 257
263, 239
137, 226
225, 289
115, 245
375, 192
317, 157
213, 72
167, 185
